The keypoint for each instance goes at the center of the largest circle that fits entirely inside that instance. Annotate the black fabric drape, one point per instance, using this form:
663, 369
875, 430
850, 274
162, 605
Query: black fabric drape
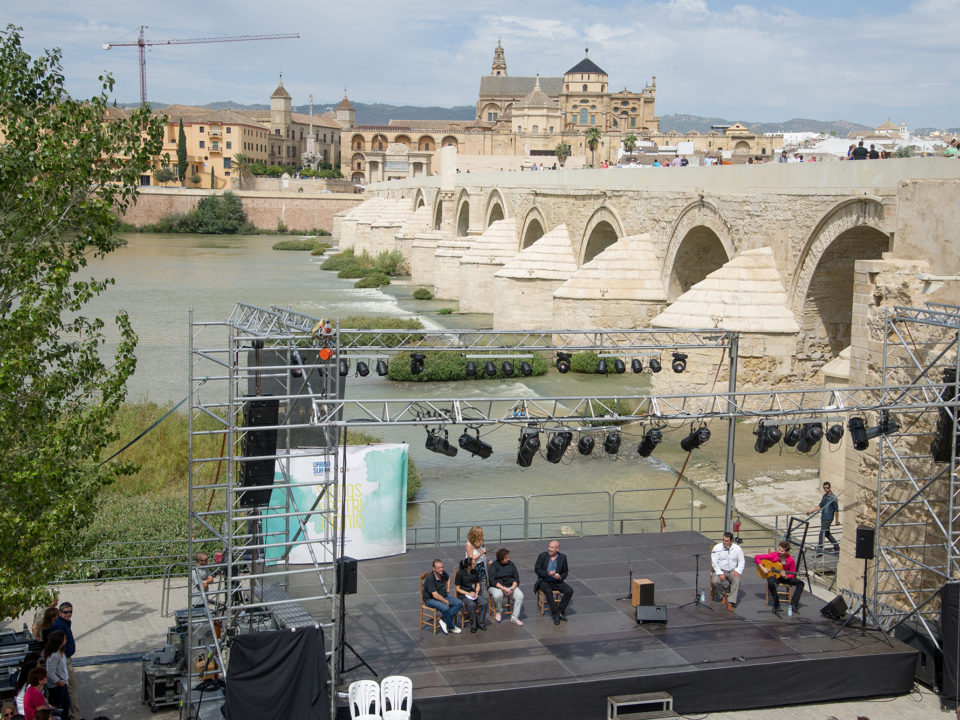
950, 642
280, 674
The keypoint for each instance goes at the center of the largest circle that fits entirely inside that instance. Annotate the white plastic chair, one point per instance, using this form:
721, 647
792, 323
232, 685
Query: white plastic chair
364, 700
396, 692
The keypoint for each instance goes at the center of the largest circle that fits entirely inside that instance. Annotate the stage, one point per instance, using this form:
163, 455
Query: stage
708, 658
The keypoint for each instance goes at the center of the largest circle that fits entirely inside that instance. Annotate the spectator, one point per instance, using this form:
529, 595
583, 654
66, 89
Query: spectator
850, 152
50, 614
9, 709
65, 622
860, 152
58, 691
33, 699
38, 618
951, 149
30, 661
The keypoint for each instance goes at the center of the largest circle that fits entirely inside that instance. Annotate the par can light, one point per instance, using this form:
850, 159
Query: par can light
636, 366
416, 363
344, 367
489, 368
381, 368
602, 366
696, 438
471, 368
507, 368
585, 445
679, 363
440, 444
526, 369
563, 361
362, 368
558, 445
655, 365
767, 437
835, 434
611, 444
792, 437
811, 435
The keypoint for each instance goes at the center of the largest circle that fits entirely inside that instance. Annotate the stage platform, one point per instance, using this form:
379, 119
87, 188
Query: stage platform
708, 658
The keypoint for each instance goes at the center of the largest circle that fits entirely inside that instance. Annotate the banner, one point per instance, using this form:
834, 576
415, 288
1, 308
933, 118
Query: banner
375, 504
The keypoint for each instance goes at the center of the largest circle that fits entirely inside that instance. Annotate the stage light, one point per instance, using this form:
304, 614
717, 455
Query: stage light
585, 445
507, 367
835, 434
651, 438
679, 363
601, 366
654, 365
611, 443
558, 445
436, 443
381, 368
362, 368
471, 368
295, 371
529, 444
526, 369
344, 367
489, 368
563, 361
636, 366
416, 363
862, 435
619, 367
792, 437
767, 437
696, 438
474, 445
811, 436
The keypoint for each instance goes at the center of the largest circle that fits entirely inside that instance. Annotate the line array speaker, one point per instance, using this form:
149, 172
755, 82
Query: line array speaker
259, 412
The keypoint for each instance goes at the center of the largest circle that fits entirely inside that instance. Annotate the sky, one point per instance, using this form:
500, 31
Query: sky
866, 62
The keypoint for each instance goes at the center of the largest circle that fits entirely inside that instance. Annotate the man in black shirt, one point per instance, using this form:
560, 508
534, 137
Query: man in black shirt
505, 583
551, 570
874, 153
434, 595
860, 152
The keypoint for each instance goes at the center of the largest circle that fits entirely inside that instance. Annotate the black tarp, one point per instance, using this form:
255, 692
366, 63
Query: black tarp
950, 643
279, 674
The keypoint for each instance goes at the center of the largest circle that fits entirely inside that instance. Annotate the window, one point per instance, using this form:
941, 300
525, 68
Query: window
229, 144
227, 172
277, 131
551, 129
228, 129
583, 116
593, 119
226, 163
202, 144
584, 88
633, 122
201, 128
492, 116
536, 128
615, 123
519, 128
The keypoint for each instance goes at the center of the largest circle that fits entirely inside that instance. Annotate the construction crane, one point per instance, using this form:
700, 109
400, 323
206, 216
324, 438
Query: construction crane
143, 44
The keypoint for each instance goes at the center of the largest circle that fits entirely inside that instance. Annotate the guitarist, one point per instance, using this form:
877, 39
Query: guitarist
782, 569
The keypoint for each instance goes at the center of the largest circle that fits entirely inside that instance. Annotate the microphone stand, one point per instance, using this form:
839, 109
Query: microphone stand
629, 594
696, 587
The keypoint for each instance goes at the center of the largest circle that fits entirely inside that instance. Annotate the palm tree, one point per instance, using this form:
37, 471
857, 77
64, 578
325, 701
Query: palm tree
593, 139
241, 165
630, 143
562, 151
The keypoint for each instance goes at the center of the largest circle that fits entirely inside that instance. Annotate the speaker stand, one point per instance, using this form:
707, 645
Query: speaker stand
864, 612
696, 588
629, 595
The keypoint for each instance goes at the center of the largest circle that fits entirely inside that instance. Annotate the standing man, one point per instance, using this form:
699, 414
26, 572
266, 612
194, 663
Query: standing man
202, 578
829, 508
435, 596
727, 562
787, 577
551, 569
64, 622
505, 583
860, 152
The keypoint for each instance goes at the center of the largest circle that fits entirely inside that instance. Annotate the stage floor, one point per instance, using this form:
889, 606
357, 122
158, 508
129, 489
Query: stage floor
708, 658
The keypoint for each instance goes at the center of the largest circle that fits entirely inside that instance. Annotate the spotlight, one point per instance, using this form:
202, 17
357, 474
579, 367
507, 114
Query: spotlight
563, 361
602, 366
416, 363
611, 444
585, 445
636, 366
835, 433
471, 368
344, 366
295, 370
811, 436
474, 445
362, 368
619, 367
529, 444
507, 367
696, 438
436, 443
767, 437
792, 437
679, 363
489, 368
861, 435
381, 368
654, 365
558, 445
651, 438
526, 369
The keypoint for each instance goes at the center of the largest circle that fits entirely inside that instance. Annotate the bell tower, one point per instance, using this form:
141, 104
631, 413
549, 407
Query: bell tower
499, 61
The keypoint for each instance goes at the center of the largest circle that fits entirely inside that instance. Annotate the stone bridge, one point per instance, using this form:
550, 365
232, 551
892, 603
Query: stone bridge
767, 250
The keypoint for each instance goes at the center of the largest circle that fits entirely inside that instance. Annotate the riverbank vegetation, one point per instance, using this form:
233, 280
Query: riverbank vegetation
316, 247
368, 271
447, 366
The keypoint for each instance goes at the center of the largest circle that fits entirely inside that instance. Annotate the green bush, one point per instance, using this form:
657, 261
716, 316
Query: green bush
422, 293
296, 244
444, 311
387, 262
319, 247
339, 261
447, 366
391, 263
584, 362
218, 215
352, 271
274, 171
164, 175
372, 280
363, 322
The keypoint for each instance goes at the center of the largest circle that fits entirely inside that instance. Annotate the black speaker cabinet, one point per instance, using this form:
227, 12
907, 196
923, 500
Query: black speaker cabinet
651, 613
865, 536
950, 641
347, 575
835, 609
929, 668
259, 412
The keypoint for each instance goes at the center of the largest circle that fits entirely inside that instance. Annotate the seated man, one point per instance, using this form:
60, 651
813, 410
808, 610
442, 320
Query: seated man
434, 594
505, 583
551, 569
727, 563
787, 577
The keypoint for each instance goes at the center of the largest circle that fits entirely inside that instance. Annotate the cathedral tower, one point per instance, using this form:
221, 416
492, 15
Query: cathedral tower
499, 61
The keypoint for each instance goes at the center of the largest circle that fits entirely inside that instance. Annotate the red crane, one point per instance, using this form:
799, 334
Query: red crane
143, 44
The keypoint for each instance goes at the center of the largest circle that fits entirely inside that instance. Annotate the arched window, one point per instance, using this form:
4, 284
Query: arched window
583, 116
536, 128
584, 88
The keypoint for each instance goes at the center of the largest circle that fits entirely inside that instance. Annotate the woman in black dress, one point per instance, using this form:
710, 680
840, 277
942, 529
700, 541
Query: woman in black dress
467, 586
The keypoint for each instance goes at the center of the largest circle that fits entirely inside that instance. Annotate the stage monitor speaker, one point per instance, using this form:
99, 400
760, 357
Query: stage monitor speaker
929, 667
641, 592
259, 412
347, 576
865, 537
949, 638
651, 613
835, 609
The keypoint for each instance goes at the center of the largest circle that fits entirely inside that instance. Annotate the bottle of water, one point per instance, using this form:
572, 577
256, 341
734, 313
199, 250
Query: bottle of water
789, 610
703, 596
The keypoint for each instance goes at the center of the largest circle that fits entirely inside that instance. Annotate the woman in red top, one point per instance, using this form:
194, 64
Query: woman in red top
33, 699
787, 577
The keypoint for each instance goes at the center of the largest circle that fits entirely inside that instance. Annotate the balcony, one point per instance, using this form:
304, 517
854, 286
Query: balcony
216, 148
214, 132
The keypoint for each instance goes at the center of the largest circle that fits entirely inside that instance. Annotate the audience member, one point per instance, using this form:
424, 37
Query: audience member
860, 152
29, 662
65, 622
9, 709
874, 154
47, 619
38, 619
33, 699
58, 691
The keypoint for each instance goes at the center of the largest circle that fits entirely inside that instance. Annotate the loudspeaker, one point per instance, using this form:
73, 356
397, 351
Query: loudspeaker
641, 592
835, 609
347, 576
259, 412
929, 667
651, 613
865, 536
949, 638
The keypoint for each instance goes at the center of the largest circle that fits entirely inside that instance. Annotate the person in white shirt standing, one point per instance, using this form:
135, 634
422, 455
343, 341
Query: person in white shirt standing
727, 562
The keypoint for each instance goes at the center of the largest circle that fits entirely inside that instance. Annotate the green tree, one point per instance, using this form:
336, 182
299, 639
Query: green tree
65, 170
903, 151
562, 151
218, 215
630, 143
241, 166
213, 178
181, 153
164, 175
593, 139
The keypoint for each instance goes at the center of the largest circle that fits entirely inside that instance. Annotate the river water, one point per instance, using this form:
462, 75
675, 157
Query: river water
160, 277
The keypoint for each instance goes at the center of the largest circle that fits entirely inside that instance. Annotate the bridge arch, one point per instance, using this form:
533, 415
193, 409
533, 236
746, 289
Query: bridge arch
534, 228
700, 242
463, 213
603, 229
821, 290
418, 199
496, 208
438, 211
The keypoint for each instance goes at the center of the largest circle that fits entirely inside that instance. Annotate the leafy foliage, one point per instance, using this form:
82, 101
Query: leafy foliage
562, 151
422, 293
181, 153
65, 170
584, 362
363, 322
594, 135
218, 215
298, 244
630, 143
446, 366
349, 265
164, 175
372, 280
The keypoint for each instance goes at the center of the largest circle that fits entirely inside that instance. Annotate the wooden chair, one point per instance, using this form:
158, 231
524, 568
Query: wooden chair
507, 605
430, 616
542, 605
785, 593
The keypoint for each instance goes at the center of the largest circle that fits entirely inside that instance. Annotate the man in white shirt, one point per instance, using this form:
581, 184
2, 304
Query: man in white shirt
727, 562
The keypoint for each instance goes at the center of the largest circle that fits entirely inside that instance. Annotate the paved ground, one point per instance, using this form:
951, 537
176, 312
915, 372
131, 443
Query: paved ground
124, 617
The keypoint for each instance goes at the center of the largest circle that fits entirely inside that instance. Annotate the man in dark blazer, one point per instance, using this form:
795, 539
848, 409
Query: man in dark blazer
551, 569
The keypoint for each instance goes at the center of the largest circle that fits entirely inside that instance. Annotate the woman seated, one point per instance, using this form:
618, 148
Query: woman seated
467, 586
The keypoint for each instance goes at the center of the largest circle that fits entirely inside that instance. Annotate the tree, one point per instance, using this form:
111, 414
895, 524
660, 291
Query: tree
630, 143
65, 170
562, 151
903, 151
593, 139
218, 215
213, 178
241, 165
181, 153
163, 175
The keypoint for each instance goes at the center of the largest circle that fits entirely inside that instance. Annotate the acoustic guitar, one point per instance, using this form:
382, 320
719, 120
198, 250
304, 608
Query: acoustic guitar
770, 568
